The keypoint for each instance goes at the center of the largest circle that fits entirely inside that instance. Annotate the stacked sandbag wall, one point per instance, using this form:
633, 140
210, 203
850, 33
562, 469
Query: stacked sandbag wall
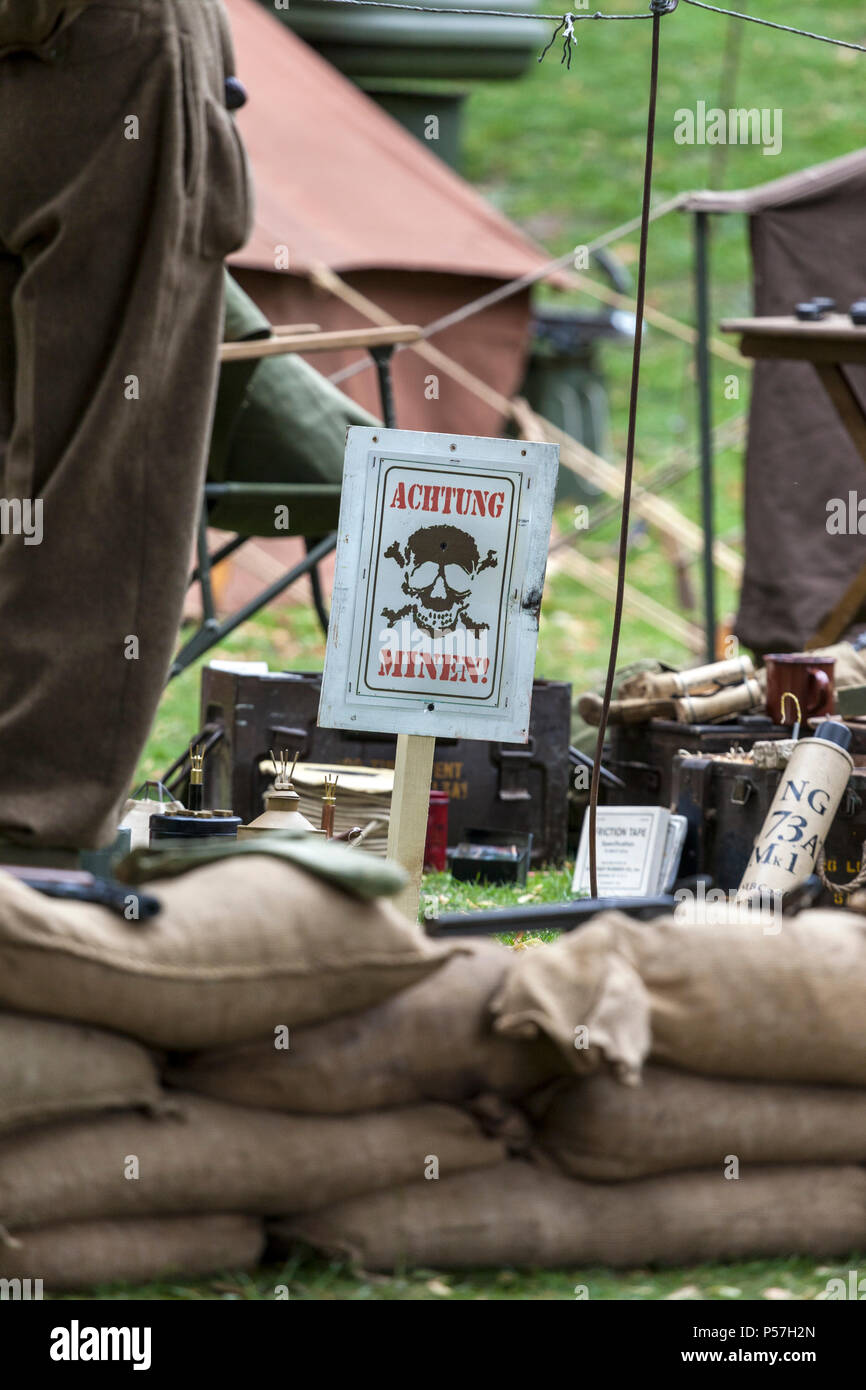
271, 1054
108, 1173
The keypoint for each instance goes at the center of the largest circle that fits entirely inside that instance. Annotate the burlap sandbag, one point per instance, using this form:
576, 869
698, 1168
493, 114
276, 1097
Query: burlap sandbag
725, 999
78, 1255
850, 663
240, 947
214, 1157
598, 1130
522, 1216
582, 995
49, 1069
431, 1042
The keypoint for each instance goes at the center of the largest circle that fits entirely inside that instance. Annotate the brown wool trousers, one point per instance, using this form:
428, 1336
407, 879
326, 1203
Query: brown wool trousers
123, 185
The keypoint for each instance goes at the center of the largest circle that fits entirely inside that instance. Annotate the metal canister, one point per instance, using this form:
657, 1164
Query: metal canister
802, 812
436, 843
193, 825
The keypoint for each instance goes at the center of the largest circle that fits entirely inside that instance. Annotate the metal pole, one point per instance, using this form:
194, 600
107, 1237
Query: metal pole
545, 916
382, 358
705, 423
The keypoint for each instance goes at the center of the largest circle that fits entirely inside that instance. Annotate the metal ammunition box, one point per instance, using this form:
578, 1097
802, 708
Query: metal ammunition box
726, 802
500, 786
643, 755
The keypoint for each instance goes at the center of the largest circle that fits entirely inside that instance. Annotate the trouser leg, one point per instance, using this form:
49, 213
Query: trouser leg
10, 269
131, 190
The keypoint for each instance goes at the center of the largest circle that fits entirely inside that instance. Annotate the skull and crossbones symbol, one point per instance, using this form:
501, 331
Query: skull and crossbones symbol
440, 564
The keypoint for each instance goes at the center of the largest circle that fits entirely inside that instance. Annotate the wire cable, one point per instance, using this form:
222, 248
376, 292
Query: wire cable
771, 24
596, 15
482, 14
640, 298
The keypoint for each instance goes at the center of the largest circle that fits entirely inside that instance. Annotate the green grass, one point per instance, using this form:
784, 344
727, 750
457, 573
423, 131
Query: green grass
307, 1278
441, 893
561, 153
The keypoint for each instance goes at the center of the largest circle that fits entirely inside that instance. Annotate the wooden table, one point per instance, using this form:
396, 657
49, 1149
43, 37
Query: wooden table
830, 344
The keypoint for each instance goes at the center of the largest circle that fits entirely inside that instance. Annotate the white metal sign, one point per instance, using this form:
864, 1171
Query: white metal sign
440, 561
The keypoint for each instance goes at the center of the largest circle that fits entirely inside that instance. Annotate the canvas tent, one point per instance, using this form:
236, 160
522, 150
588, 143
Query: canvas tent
338, 182
808, 237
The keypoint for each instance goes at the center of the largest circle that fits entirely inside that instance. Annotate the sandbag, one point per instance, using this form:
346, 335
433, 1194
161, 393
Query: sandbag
49, 1069
78, 1255
598, 1130
583, 996
725, 999
850, 663
433, 1041
240, 947
522, 1216
213, 1157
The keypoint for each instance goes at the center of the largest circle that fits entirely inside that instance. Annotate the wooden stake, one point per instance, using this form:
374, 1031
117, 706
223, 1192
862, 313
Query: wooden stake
410, 806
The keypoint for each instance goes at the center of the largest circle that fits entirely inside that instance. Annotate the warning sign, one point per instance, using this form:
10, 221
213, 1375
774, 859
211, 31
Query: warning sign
440, 564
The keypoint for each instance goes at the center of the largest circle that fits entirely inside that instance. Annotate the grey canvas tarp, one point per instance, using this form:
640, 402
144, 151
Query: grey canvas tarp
808, 237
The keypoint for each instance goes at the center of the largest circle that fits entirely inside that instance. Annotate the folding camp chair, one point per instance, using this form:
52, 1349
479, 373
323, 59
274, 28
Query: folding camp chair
278, 440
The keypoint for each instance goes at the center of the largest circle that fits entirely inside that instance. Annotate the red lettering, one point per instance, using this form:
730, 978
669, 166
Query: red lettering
420, 665
431, 498
427, 663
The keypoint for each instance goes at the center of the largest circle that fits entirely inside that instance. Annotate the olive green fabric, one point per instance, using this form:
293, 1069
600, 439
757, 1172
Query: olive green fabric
365, 875
280, 423
111, 289
244, 322
29, 23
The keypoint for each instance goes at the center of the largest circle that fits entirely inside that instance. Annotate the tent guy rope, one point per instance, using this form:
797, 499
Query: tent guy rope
486, 301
